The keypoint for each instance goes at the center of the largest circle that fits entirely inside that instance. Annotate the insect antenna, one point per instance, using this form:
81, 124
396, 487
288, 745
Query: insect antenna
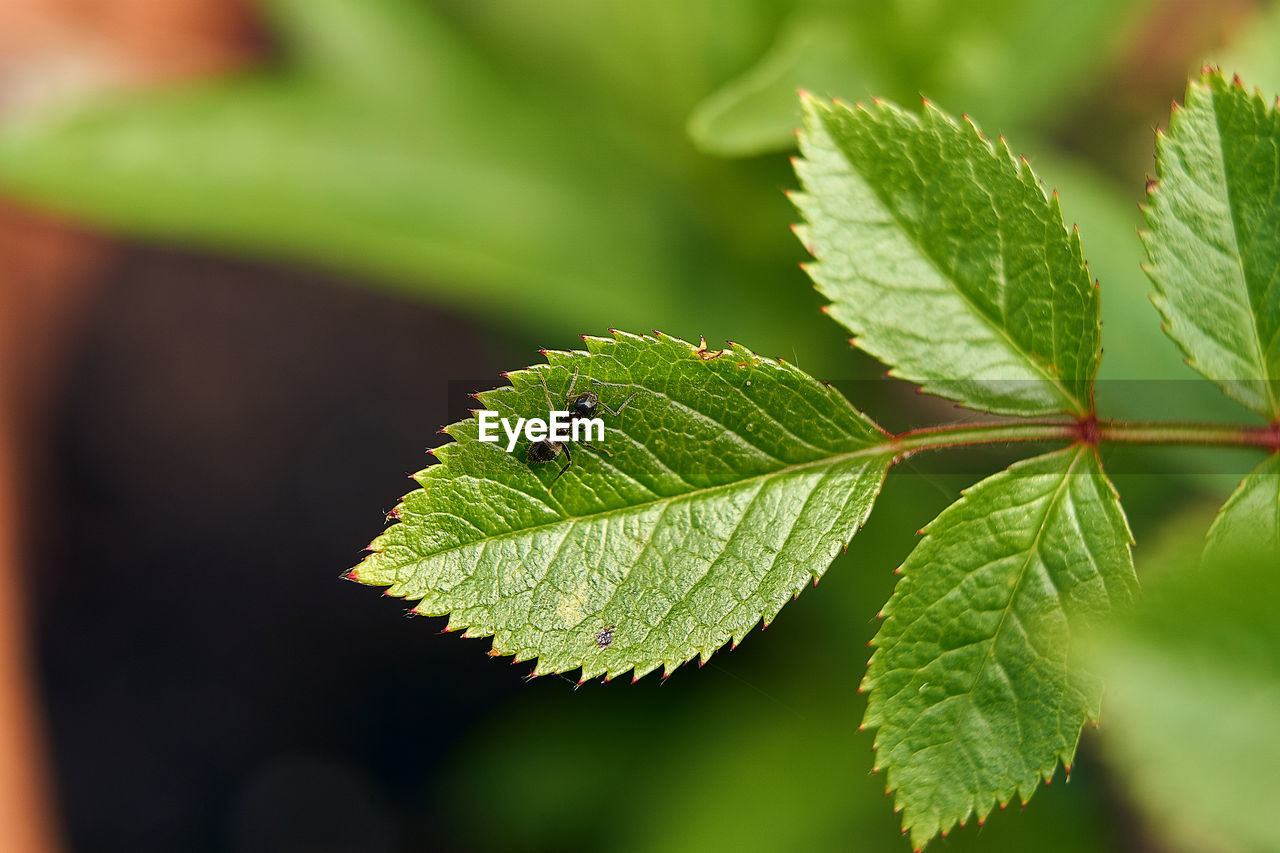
572, 384
546, 389
625, 403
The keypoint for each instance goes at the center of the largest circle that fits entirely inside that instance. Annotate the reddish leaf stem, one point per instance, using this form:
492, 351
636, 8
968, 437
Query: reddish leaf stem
1090, 431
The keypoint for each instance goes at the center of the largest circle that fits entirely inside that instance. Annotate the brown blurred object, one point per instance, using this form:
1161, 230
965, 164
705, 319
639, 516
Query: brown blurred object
57, 50
1174, 33
52, 52
1170, 40
47, 265
45, 268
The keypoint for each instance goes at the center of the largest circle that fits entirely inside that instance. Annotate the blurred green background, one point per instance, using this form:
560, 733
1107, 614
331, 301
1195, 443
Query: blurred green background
540, 170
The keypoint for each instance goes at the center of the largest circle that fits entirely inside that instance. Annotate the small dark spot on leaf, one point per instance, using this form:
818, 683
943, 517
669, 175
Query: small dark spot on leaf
605, 637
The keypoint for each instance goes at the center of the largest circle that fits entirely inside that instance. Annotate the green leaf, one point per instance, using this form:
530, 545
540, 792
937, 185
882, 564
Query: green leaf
974, 684
1193, 696
1214, 238
730, 482
1249, 522
945, 258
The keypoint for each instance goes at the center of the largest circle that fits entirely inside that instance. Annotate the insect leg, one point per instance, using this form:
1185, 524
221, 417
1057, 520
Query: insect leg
568, 462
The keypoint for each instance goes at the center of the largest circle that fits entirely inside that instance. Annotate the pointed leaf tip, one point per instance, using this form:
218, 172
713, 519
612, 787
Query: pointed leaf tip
922, 728
1211, 241
871, 181
792, 499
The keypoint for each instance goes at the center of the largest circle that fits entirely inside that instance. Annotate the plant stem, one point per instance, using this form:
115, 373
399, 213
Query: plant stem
936, 438
1202, 435
1090, 431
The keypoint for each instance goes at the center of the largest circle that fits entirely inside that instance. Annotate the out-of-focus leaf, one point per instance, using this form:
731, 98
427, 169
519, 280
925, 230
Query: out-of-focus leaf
404, 142
758, 112
1012, 62
294, 170
1193, 695
975, 686
728, 483
1214, 243
1249, 522
945, 258
392, 48
638, 66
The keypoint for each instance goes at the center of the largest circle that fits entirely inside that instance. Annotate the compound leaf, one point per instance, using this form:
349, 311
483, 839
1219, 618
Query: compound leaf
1249, 522
724, 484
974, 684
1214, 238
945, 258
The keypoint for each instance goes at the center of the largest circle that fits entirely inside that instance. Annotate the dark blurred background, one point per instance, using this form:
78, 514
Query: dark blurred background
247, 252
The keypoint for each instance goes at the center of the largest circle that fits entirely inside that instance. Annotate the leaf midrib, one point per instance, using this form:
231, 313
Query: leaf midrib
883, 449
1032, 549
1076, 406
1263, 365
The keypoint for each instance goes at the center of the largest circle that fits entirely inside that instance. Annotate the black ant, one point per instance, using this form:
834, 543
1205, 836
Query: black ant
582, 407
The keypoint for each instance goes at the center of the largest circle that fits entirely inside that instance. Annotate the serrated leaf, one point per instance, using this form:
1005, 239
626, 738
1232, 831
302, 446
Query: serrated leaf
1214, 238
1249, 522
730, 482
945, 258
974, 684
